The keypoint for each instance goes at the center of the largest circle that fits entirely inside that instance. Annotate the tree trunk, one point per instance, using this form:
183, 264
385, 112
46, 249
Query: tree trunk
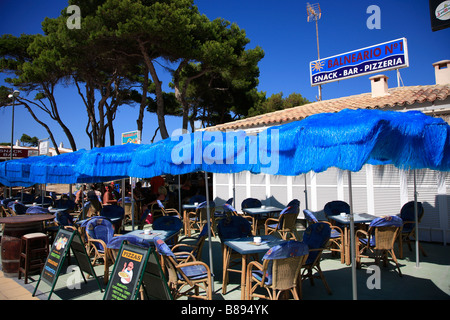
140, 119
52, 138
159, 93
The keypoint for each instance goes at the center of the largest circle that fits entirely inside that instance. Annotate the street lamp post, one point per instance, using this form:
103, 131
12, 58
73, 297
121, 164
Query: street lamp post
14, 95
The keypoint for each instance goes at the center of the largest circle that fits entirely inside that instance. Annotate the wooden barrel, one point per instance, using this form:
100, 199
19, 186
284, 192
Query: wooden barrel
11, 241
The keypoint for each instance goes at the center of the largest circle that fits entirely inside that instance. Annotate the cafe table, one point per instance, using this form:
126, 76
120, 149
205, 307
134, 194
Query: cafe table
186, 209
165, 235
262, 212
15, 228
344, 220
247, 247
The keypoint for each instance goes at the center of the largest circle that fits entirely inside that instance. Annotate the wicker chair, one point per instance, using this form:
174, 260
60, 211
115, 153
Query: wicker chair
408, 230
336, 243
316, 237
17, 208
333, 208
378, 240
199, 218
279, 271
168, 223
193, 274
99, 232
257, 221
231, 211
191, 246
285, 224
168, 211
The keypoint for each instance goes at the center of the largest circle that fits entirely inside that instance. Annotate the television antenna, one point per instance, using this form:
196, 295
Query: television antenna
314, 14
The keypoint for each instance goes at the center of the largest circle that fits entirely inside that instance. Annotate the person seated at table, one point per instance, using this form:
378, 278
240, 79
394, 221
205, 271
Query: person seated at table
79, 197
108, 197
94, 192
162, 193
155, 183
139, 198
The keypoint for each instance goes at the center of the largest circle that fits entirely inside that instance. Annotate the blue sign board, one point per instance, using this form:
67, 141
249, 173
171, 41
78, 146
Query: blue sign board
381, 57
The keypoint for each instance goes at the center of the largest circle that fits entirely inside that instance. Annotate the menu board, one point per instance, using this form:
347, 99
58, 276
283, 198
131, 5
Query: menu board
131, 270
65, 240
56, 256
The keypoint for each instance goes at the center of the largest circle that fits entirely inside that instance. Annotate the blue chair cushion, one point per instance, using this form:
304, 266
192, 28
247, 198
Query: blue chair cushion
116, 242
113, 212
387, 221
100, 229
335, 234
316, 236
407, 214
228, 208
285, 250
162, 247
195, 272
251, 203
37, 210
18, 207
310, 216
334, 208
167, 223
364, 241
233, 227
258, 276
197, 198
64, 218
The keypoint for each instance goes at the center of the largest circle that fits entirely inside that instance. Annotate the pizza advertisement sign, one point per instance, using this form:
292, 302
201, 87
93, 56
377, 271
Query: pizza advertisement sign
124, 281
137, 270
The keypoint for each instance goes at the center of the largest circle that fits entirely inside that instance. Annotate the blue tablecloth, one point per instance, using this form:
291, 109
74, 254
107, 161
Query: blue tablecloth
146, 238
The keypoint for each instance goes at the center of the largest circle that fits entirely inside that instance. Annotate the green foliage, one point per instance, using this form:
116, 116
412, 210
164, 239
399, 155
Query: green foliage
111, 61
276, 102
29, 141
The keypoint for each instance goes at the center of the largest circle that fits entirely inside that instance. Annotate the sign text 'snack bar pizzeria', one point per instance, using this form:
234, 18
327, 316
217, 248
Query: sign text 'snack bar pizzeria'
381, 57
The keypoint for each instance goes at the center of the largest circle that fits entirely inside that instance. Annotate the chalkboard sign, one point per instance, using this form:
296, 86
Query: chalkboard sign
56, 256
136, 266
64, 241
154, 282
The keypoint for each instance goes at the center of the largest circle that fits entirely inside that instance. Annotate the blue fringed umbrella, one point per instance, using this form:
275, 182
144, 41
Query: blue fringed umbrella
17, 172
217, 151
108, 162
351, 138
57, 169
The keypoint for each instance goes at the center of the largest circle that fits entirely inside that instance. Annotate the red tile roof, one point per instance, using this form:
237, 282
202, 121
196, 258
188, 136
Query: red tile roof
400, 97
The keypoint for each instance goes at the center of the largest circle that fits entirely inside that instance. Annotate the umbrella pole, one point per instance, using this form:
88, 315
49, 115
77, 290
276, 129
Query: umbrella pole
234, 189
123, 193
416, 219
306, 192
208, 216
352, 237
132, 204
179, 194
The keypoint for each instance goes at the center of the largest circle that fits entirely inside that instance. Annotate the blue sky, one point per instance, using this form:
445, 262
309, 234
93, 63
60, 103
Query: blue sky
281, 29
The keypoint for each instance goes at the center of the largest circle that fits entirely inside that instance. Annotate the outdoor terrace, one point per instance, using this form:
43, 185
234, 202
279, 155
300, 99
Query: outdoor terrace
431, 281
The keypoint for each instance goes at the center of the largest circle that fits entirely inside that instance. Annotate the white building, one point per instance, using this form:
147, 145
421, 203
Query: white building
378, 190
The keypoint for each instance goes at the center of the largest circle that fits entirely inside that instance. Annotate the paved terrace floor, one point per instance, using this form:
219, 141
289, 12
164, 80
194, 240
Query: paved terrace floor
431, 281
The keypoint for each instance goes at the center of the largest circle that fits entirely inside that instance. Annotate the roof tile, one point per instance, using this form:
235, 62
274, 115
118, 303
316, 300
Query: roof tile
401, 96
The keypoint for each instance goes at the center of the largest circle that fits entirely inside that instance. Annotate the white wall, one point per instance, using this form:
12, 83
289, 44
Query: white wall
378, 190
